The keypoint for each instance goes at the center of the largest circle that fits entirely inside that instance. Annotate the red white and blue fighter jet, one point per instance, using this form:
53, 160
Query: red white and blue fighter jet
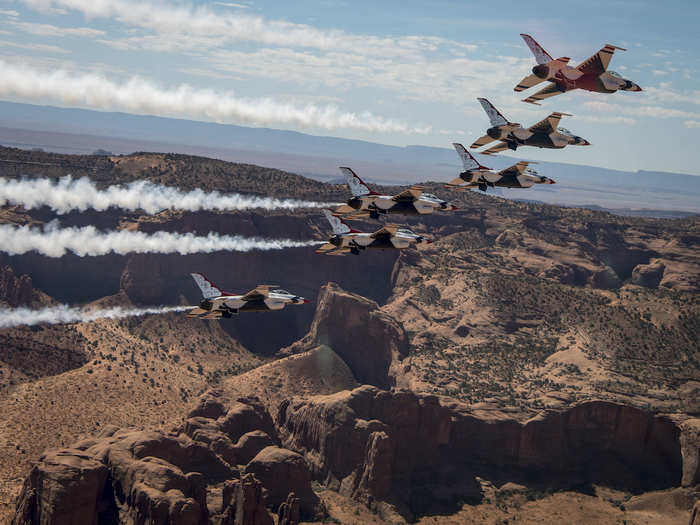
217, 304
477, 176
366, 201
347, 240
591, 74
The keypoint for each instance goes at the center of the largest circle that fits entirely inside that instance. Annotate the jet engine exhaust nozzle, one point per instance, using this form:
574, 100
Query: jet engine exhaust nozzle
541, 71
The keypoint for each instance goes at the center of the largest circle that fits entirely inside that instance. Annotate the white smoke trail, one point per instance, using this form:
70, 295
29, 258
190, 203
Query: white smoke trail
11, 317
68, 194
53, 241
138, 95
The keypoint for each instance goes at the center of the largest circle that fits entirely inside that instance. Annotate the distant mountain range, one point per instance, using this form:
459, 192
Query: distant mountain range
84, 131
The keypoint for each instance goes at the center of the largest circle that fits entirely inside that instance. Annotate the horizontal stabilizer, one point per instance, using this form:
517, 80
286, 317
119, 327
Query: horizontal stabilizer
528, 82
481, 141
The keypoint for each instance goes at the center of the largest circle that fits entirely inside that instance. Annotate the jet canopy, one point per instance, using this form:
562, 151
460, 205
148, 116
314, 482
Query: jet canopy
565, 131
616, 74
430, 196
530, 171
405, 231
280, 291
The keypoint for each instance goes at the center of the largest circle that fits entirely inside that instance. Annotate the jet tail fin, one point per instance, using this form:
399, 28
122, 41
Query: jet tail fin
355, 183
494, 115
541, 55
209, 291
338, 225
468, 160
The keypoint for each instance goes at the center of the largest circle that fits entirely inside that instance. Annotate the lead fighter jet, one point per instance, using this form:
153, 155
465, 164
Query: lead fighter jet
217, 304
591, 75
365, 201
477, 176
346, 240
544, 134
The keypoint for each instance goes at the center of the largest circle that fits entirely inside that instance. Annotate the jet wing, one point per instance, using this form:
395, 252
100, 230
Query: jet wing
528, 82
516, 169
482, 141
332, 249
547, 92
259, 292
414, 192
549, 124
495, 149
201, 313
344, 209
389, 230
598, 63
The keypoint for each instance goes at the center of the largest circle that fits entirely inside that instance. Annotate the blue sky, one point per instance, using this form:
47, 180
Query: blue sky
391, 72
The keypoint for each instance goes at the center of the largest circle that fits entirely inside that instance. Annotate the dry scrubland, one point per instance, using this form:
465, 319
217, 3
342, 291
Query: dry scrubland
518, 308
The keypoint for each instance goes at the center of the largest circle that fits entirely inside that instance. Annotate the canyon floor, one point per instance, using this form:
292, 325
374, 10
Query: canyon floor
517, 313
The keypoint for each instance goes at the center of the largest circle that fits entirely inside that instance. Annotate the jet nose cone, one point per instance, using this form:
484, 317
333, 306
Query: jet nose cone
305, 301
582, 142
428, 241
550, 181
453, 207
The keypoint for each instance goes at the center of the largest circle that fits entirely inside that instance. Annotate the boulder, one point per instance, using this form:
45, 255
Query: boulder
65, 487
281, 471
648, 275
250, 444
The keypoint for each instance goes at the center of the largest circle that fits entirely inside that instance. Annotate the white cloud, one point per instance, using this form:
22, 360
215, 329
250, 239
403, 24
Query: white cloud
52, 30
9, 12
44, 48
692, 124
187, 21
232, 4
138, 95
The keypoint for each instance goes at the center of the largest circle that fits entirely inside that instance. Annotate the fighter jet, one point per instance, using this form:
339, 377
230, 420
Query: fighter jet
217, 304
544, 134
365, 201
477, 176
591, 75
347, 240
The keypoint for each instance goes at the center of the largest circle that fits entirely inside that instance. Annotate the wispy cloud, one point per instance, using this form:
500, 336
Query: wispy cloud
9, 12
43, 48
138, 95
186, 21
52, 30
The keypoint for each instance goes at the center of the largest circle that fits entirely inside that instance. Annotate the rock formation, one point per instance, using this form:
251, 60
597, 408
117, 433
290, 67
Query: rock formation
416, 450
15, 291
368, 340
190, 476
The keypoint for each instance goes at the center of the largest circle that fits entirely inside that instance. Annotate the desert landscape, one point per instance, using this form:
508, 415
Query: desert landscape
534, 364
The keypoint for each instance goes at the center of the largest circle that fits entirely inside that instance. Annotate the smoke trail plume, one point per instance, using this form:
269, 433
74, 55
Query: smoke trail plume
137, 95
11, 317
53, 241
81, 194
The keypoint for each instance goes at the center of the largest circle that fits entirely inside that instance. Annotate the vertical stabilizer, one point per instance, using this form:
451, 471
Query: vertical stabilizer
541, 55
337, 224
209, 291
469, 162
355, 183
494, 115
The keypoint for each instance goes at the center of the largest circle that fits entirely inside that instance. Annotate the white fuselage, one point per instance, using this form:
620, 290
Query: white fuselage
399, 241
423, 205
274, 301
